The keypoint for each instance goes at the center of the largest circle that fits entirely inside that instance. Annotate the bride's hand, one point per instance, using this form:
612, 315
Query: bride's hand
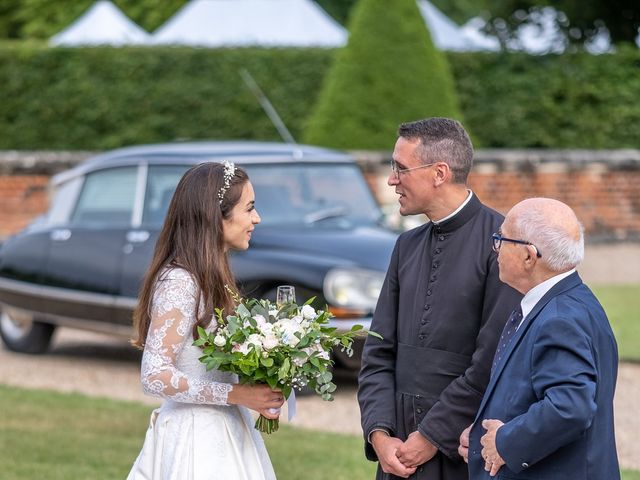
256, 397
269, 413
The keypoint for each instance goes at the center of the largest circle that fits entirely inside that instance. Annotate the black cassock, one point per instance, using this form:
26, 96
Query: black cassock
441, 311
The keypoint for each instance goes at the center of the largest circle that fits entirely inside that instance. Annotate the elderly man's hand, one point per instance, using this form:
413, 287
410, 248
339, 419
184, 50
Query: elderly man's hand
416, 450
386, 448
463, 448
493, 460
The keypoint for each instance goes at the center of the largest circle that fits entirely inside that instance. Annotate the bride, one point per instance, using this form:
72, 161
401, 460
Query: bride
203, 429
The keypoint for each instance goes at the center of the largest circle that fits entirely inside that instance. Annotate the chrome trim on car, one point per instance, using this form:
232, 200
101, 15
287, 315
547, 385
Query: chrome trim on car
138, 202
126, 302
79, 323
346, 324
56, 293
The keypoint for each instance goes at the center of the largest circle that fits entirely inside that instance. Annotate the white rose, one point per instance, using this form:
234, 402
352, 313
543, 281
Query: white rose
220, 341
260, 320
266, 328
291, 324
297, 319
242, 348
255, 339
270, 342
273, 313
308, 312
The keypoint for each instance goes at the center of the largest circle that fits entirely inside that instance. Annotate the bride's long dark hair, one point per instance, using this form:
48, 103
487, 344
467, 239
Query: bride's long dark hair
192, 238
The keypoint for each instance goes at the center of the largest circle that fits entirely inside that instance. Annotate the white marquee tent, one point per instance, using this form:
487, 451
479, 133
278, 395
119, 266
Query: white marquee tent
102, 24
447, 35
269, 23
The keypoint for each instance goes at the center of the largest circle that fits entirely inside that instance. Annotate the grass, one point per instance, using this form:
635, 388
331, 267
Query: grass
622, 304
68, 436
59, 436
62, 436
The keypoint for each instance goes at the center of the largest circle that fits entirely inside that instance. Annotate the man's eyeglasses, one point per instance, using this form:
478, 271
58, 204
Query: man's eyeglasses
397, 171
498, 239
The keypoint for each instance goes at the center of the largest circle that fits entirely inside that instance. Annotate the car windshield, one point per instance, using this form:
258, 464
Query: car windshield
316, 195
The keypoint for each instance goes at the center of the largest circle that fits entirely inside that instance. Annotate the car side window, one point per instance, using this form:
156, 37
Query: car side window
161, 183
107, 198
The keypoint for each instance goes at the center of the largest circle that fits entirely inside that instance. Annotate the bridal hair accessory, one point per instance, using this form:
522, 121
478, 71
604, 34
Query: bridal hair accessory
229, 172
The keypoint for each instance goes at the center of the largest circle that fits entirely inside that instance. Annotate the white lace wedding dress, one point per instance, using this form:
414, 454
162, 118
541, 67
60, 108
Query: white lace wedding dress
195, 434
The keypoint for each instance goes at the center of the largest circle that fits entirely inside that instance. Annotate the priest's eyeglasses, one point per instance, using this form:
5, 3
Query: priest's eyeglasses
498, 239
397, 171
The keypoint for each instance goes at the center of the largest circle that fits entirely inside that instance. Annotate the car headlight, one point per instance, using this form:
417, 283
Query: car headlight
355, 289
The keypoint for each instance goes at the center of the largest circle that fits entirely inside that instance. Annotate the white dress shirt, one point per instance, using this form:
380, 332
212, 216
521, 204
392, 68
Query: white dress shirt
534, 295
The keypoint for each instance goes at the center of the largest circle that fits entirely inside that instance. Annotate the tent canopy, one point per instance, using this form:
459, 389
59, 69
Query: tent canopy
272, 23
102, 24
447, 35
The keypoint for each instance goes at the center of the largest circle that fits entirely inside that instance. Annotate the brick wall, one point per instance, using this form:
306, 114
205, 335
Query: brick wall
602, 187
22, 198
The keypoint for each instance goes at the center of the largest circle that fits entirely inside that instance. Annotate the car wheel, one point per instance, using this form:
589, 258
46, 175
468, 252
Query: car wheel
23, 334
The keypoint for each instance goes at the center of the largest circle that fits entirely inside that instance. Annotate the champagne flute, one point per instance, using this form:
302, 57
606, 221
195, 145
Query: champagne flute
285, 294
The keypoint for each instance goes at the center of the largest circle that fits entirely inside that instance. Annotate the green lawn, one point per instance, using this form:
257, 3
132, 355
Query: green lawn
55, 436
622, 304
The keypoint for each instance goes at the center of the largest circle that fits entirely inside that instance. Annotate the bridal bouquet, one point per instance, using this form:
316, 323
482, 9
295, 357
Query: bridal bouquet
287, 347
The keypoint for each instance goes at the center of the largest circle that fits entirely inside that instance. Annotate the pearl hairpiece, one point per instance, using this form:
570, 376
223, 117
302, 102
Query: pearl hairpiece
229, 172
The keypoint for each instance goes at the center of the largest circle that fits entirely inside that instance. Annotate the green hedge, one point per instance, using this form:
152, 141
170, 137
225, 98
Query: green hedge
98, 98
552, 101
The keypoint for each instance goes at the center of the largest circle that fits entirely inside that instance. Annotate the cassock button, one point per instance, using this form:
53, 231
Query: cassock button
437, 251
525, 465
441, 237
418, 410
421, 337
428, 292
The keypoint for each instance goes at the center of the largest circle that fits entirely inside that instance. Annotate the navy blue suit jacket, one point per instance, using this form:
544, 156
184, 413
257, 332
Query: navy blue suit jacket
553, 389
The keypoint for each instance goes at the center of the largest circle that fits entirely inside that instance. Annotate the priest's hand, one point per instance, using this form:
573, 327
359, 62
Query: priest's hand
386, 447
416, 450
463, 448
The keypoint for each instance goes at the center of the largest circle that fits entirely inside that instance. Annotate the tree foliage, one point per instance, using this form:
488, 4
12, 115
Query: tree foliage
44, 18
389, 73
458, 10
579, 20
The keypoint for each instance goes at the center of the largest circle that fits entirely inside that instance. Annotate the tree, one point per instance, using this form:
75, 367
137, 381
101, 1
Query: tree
44, 18
389, 73
458, 10
579, 20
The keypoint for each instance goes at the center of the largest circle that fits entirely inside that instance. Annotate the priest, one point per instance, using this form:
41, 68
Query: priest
441, 311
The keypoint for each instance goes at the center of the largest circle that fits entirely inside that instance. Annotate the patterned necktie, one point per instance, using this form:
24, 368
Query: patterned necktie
507, 334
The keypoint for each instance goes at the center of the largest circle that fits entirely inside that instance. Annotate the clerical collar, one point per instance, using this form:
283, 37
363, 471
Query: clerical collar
456, 211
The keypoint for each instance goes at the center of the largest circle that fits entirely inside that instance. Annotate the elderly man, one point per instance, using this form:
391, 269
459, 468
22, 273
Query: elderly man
441, 311
547, 412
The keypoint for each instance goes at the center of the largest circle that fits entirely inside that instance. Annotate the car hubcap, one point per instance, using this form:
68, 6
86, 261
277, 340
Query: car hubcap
15, 326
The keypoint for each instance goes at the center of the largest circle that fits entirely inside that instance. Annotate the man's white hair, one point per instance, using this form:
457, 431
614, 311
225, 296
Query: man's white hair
560, 251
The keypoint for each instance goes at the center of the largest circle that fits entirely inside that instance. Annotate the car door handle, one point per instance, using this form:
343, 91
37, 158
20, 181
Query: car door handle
137, 236
60, 235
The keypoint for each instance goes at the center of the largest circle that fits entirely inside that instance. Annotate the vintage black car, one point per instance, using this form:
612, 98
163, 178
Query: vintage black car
81, 264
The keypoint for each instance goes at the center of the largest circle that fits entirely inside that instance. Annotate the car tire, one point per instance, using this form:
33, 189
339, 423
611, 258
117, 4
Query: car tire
23, 334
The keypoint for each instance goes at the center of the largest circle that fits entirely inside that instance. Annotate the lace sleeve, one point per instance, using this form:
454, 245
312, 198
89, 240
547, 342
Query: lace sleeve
172, 321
